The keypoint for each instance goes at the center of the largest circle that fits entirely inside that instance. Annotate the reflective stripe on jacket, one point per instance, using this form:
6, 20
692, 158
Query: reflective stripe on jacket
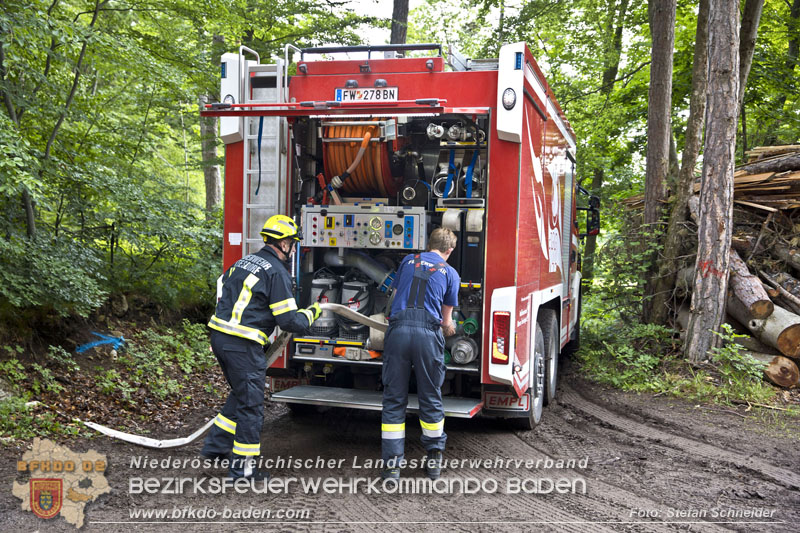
257, 295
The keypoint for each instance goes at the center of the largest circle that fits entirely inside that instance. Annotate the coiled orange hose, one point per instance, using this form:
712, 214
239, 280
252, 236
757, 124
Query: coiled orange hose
366, 178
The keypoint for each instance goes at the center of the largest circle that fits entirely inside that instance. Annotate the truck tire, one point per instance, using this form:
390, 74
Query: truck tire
549, 327
537, 392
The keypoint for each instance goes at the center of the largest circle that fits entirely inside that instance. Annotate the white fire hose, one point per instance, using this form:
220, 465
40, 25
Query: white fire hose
272, 353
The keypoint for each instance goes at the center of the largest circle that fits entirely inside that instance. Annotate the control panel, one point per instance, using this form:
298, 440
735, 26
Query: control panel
364, 226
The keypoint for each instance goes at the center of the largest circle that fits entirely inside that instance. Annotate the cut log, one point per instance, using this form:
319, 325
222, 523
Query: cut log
780, 330
744, 243
748, 288
754, 345
789, 305
780, 371
777, 164
786, 253
792, 302
788, 282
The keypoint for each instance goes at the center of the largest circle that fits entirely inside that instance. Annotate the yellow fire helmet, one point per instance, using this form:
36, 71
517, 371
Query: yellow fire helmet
281, 227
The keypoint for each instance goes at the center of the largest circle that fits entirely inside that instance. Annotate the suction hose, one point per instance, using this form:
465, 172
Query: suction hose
374, 270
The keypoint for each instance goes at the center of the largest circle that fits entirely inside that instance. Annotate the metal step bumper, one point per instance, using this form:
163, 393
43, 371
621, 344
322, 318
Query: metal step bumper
371, 400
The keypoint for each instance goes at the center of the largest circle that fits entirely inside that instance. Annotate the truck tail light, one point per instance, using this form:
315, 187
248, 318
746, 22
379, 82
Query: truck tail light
501, 338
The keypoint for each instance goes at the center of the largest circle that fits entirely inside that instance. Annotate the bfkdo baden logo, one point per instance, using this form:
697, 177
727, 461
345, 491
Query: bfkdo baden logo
61, 482
46, 497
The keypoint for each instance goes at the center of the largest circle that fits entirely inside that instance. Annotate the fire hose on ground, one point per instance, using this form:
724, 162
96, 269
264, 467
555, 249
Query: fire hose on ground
272, 353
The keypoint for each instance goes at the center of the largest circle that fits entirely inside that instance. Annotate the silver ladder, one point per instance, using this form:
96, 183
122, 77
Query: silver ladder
263, 84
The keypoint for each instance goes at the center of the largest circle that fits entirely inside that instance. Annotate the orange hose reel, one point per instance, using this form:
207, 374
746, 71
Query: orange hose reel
372, 177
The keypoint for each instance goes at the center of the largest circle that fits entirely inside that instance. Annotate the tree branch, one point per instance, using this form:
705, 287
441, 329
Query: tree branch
12, 112
602, 87
48, 62
75, 82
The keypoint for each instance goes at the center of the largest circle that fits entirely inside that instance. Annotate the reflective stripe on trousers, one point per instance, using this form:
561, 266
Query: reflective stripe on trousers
412, 340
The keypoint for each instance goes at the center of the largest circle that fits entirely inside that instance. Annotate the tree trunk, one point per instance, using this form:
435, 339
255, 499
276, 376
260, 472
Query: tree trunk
662, 27
610, 70
30, 216
780, 330
685, 188
747, 45
399, 22
716, 186
779, 371
590, 250
791, 53
211, 174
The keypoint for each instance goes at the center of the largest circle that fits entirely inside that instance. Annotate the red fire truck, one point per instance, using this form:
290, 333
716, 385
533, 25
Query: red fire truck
369, 155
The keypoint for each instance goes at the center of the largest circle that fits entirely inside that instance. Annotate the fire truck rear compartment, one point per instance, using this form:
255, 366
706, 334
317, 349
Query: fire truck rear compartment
389, 205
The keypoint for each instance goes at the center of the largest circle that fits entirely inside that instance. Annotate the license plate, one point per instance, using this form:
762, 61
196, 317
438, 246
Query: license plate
506, 401
277, 384
376, 94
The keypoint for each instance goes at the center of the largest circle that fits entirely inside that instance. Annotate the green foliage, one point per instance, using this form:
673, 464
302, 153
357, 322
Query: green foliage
19, 421
62, 358
742, 375
99, 125
61, 275
152, 354
45, 381
643, 358
626, 355
13, 373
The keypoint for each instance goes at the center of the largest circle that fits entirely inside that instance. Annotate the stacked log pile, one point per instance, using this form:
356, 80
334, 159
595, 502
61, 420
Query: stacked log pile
764, 278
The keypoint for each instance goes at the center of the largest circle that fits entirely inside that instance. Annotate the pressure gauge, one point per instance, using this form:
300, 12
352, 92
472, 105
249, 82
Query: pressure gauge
374, 237
375, 223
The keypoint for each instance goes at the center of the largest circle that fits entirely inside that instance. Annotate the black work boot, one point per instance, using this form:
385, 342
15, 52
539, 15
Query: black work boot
246, 468
392, 475
433, 464
213, 463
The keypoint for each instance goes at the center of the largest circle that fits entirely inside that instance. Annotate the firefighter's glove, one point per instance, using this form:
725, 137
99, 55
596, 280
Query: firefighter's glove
316, 309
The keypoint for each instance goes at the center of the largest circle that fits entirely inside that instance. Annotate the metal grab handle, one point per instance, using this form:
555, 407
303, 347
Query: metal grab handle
286, 68
242, 73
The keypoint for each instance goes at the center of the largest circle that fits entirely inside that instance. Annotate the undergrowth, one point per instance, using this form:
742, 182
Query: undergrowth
156, 364
640, 357
620, 351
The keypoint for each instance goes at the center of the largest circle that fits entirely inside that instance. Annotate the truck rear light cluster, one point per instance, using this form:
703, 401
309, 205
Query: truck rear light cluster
501, 328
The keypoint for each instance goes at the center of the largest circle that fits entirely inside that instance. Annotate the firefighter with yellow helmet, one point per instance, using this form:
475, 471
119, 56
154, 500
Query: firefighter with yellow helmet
256, 296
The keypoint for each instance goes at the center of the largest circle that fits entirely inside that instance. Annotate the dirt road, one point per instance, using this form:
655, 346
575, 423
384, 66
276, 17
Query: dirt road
646, 464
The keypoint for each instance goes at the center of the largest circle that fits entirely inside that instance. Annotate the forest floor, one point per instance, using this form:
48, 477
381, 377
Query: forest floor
642, 463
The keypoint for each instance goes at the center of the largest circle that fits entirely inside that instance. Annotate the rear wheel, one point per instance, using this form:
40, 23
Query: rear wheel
538, 390
549, 327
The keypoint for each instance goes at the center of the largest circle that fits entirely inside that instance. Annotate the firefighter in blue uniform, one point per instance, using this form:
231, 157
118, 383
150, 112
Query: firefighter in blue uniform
426, 290
256, 296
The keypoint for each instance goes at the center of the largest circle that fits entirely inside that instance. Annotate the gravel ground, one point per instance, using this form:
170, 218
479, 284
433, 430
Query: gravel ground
639, 463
